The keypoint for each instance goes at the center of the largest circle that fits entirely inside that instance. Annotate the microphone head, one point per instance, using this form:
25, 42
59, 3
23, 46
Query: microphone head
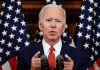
59, 62
43, 57
44, 63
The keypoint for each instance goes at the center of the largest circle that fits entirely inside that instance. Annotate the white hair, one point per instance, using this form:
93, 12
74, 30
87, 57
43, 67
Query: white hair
55, 6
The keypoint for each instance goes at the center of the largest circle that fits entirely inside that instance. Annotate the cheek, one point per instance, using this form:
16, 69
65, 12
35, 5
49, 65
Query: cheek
61, 29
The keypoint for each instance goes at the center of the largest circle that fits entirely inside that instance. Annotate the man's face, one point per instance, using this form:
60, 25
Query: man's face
52, 24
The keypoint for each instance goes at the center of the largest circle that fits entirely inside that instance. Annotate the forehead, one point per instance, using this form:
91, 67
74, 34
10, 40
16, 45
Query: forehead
53, 11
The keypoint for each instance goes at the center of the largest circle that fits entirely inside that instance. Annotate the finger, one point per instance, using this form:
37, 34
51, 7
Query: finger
68, 58
67, 69
36, 60
37, 54
68, 63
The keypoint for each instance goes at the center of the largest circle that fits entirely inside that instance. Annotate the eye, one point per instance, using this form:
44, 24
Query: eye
58, 21
48, 20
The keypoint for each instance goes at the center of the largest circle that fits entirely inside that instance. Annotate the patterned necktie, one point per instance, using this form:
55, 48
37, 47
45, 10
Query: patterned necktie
51, 59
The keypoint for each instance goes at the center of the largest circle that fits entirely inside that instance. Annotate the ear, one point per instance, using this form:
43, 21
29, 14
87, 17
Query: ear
40, 25
64, 27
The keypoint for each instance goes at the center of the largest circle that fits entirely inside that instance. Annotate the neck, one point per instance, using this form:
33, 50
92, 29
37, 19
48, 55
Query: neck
52, 42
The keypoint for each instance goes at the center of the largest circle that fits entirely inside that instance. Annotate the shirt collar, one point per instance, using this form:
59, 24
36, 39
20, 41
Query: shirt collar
57, 47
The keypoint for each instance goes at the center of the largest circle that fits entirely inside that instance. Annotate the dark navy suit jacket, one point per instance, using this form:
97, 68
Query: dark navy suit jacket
25, 55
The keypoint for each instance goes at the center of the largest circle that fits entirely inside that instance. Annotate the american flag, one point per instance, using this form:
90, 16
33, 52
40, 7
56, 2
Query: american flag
13, 33
87, 35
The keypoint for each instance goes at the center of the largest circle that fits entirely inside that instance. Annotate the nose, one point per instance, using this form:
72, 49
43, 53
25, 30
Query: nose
53, 24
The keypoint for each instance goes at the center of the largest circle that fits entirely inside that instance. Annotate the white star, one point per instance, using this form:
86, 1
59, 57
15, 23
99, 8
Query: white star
21, 31
12, 0
86, 45
38, 40
81, 16
97, 43
1, 50
13, 28
91, 1
15, 19
0, 21
28, 36
89, 18
6, 24
7, 53
98, 34
54, 2
96, 52
94, 13
9, 44
40, 33
80, 25
98, 25
19, 39
18, 2
11, 36
3, 5
17, 48
47, 1
90, 9
99, 16
2, 41
88, 27
10, 8
92, 49
83, 7
17, 11
0, 59
8, 16
96, 4
79, 34
64, 34
1, 13
4, 33
26, 43
87, 36
92, 57
23, 23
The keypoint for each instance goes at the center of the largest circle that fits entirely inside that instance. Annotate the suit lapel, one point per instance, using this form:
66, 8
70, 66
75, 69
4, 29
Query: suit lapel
64, 49
40, 48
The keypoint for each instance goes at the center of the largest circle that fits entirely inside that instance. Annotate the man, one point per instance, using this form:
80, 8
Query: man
52, 21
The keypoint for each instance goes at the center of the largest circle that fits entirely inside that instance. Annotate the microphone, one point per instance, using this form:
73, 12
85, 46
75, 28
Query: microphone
59, 62
44, 63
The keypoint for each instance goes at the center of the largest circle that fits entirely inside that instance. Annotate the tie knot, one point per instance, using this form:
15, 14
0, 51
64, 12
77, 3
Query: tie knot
51, 49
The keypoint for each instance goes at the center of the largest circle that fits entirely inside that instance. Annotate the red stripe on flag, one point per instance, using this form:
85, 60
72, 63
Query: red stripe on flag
98, 62
0, 67
91, 67
13, 63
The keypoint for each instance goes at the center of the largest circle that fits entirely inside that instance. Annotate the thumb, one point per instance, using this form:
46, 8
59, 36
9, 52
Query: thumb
68, 58
37, 54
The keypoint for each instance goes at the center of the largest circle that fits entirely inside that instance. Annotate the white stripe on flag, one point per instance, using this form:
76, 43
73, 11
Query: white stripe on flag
96, 66
6, 66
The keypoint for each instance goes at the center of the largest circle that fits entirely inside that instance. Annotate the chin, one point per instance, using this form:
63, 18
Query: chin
53, 38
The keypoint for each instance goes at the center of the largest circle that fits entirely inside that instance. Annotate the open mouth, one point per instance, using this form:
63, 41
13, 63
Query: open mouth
53, 32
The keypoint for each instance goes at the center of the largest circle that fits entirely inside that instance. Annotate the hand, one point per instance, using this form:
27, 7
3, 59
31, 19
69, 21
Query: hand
36, 62
68, 64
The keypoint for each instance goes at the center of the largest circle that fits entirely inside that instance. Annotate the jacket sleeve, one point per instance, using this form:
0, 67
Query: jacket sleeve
84, 61
22, 63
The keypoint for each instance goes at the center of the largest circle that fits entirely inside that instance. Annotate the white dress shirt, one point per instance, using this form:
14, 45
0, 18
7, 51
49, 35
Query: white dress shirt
57, 48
